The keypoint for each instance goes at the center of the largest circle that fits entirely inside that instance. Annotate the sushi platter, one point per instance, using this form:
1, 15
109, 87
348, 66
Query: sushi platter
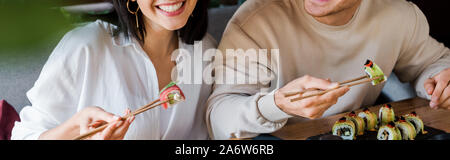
367, 126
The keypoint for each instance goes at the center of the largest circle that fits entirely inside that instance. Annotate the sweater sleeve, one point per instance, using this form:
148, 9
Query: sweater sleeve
423, 56
238, 109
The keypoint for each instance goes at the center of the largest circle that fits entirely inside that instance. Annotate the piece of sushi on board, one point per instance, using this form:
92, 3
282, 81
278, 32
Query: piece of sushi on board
389, 132
414, 119
370, 119
360, 125
406, 129
344, 128
386, 114
373, 71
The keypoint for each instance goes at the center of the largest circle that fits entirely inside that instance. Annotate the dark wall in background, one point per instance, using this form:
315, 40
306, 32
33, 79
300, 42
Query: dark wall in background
438, 15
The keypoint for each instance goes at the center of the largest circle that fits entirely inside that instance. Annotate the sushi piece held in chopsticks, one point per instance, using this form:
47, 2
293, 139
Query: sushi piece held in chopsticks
358, 121
416, 122
389, 132
406, 129
386, 114
172, 93
374, 71
370, 119
344, 128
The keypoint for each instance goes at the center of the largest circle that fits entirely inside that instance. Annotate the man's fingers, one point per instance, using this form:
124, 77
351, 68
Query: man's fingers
313, 82
334, 95
429, 86
329, 97
440, 86
445, 95
446, 104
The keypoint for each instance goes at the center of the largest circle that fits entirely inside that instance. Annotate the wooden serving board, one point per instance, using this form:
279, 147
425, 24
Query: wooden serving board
301, 130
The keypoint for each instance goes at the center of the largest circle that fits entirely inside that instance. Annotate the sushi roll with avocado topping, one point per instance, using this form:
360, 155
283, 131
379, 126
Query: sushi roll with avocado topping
406, 129
360, 125
344, 128
389, 132
416, 122
370, 119
386, 114
374, 71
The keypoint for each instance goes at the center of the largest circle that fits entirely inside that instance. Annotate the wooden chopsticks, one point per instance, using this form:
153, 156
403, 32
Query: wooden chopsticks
315, 89
138, 111
341, 84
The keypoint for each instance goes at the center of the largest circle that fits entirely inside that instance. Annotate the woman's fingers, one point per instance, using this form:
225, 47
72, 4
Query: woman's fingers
102, 115
120, 132
108, 131
84, 125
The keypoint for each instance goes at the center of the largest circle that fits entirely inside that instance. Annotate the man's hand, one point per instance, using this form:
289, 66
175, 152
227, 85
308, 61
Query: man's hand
312, 107
439, 89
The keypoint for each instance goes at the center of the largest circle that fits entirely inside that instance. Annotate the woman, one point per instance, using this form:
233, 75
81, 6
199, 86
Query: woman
120, 67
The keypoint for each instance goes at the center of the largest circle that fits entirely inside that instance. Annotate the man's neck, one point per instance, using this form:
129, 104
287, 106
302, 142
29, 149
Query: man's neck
339, 18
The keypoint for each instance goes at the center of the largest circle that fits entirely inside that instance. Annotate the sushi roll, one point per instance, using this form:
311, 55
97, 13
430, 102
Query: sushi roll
416, 122
386, 114
370, 119
172, 94
406, 129
374, 71
344, 128
389, 132
360, 125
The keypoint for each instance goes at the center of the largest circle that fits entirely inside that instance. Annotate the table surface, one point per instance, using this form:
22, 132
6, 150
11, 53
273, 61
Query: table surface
301, 130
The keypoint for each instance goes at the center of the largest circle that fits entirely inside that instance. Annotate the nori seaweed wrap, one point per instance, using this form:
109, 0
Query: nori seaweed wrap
416, 122
344, 128
406, 129
370, 119
389, 132
386, 114
358, 121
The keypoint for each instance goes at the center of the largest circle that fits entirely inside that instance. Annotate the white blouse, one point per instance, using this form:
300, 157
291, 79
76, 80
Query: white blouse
90, 67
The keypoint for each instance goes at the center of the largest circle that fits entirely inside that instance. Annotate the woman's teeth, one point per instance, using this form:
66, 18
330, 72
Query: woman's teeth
171, 8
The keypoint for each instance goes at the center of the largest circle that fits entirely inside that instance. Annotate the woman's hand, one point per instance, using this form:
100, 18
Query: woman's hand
439, 89
115, 130
89, 117
312, 107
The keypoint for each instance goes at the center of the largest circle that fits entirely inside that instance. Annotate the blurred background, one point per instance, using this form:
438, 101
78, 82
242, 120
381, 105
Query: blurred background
30, 29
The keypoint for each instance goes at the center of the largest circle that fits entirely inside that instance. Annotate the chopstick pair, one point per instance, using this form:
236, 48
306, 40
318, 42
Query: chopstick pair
138, 111
366, 78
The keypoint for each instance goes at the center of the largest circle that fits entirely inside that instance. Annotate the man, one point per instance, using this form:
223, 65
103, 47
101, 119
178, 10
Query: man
320, 41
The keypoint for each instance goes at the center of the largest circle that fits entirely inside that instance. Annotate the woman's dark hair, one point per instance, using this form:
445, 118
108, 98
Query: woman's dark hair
194, 30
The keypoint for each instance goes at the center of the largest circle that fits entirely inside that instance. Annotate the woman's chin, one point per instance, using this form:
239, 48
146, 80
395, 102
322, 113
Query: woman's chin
173, 26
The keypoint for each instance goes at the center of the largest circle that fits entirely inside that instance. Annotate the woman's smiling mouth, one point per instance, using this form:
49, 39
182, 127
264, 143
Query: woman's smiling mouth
171, 9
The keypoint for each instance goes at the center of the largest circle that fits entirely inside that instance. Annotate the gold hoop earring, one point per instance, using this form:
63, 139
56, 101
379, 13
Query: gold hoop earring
135, 13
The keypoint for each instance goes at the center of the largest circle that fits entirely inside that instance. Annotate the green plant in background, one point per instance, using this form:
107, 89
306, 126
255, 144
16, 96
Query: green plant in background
30, 24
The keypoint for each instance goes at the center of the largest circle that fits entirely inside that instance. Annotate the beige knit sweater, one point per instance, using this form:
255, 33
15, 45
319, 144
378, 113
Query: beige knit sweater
392, 33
